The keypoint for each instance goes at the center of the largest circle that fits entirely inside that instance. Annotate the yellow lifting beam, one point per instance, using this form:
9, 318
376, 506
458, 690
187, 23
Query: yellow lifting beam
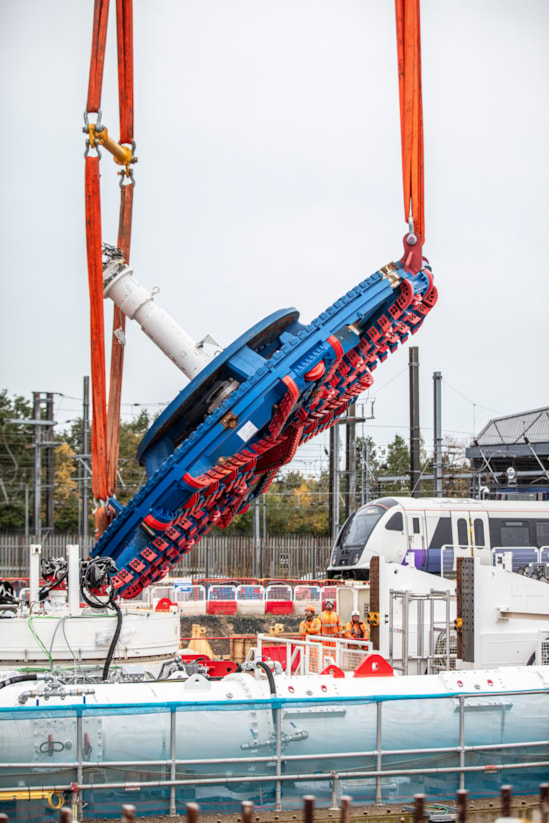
100, 136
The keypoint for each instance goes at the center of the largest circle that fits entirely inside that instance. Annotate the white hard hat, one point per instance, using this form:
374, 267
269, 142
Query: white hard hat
355, 613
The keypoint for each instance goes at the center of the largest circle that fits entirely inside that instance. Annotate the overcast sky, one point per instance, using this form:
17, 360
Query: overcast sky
269, 176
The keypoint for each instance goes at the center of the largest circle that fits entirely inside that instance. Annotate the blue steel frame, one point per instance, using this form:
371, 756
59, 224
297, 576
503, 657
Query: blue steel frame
277, 386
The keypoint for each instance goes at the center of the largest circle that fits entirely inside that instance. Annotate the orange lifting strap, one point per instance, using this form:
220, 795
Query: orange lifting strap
106, 426
411, 110
124, 32
97, 339
99, 37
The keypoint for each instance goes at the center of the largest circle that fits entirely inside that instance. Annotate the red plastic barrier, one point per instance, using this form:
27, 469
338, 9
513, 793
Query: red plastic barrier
221, 607
278, 607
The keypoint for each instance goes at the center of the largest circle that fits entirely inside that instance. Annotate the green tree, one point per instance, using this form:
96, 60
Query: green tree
367, 469
131, 475
69, 468
16, 459
293, 503
397, 464
398, 456
297, 505
66, 499
454, 466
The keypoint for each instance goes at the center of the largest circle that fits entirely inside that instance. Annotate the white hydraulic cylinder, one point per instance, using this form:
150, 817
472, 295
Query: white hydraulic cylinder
138, 304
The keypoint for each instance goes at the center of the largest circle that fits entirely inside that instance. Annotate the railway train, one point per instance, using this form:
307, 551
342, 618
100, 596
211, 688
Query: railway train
431, 533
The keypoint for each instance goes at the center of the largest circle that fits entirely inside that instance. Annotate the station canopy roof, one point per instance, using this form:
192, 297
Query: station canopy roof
521, 435
533, 425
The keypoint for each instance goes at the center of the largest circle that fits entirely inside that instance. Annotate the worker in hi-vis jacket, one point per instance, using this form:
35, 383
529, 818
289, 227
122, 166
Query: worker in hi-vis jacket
330, 624
355, 629
311, 624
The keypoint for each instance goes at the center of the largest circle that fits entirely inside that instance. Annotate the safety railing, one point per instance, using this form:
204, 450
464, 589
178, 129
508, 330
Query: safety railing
426, 641
520, 558
442, 560
312, 655
339, 741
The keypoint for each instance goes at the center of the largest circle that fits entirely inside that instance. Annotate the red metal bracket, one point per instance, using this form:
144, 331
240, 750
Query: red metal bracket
412, 259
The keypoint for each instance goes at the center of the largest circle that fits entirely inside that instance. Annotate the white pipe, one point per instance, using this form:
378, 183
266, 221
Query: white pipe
34, 575
138, 304
73, 562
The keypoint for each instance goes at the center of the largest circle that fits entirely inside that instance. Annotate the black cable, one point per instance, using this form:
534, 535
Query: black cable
272, 684
174, 662
18, 678
270, 675
55, 568
6, 593
114, 640
45, 590
96, 574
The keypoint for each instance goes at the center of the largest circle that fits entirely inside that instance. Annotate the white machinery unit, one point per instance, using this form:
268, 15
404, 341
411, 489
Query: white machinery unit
58, 630
502, 615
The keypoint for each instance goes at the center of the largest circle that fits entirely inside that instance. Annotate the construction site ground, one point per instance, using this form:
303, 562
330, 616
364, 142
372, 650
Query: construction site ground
231, 636
478, 811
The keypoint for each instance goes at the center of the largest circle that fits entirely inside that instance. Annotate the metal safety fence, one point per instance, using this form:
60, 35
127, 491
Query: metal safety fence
375, 749
237, 597
285, 556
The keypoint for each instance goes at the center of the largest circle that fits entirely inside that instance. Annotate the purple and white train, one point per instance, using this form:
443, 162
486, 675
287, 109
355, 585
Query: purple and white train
430, 532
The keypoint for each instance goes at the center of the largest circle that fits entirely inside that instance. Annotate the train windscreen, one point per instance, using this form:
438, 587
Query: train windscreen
358, 528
